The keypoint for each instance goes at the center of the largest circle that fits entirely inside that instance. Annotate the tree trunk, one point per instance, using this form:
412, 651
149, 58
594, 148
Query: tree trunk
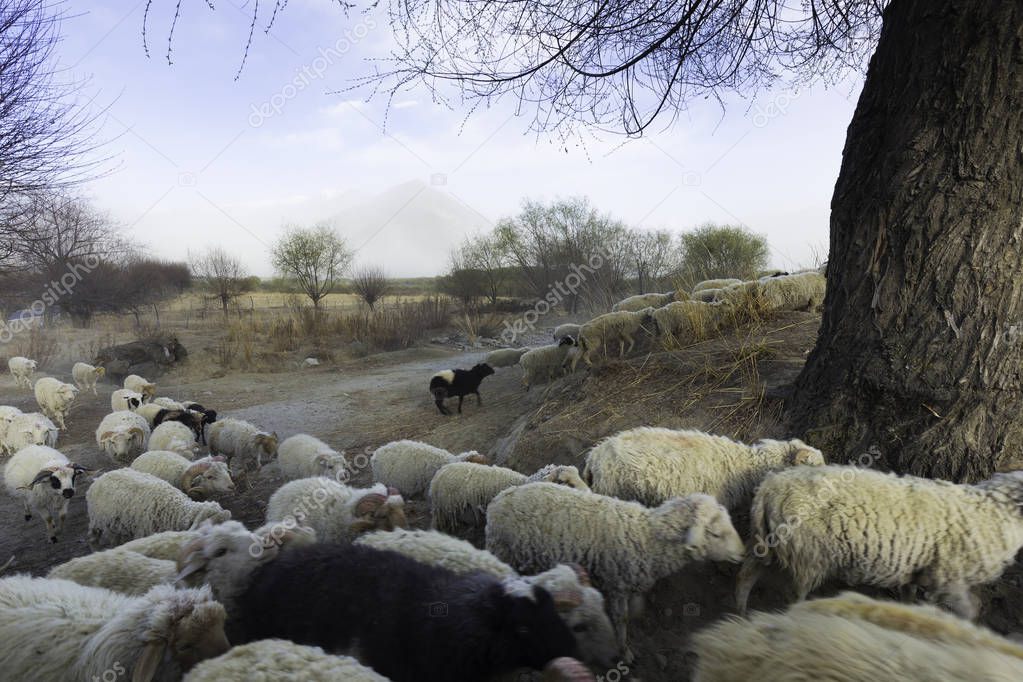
918, 356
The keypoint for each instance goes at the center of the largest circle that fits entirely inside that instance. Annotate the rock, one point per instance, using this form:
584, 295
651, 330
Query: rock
149, 357
310, 362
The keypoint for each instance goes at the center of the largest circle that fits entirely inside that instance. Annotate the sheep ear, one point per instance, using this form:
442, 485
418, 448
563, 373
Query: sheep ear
40, 477
190, 560
581, 574
145, 668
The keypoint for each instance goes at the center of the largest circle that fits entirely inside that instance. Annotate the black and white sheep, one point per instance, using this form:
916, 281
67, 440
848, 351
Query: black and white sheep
451, 383
45, 481
193, 419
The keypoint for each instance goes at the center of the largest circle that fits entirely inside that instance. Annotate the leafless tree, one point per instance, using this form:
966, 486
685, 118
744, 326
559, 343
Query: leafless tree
370, 284
655, 258
222, 274
315, 257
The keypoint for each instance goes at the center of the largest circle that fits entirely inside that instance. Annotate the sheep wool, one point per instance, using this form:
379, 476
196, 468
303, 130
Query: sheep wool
504, 357
410, 465
640, 301
166, 545
302, 456
270, 660
7, 415
546, 362
689, 321
117, 570
30, 428
199, 480
334, 511
801, 291
22, 370
716, 284
86, 376
438, 549
55, 399
603, 329
172, 437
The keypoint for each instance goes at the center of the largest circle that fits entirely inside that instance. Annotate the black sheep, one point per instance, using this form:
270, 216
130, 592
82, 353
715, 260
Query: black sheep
194, 420
409, 621
458, 382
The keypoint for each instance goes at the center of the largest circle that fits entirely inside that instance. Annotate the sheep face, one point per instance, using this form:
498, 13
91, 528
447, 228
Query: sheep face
702, 525
266, 446
66, 394
376, 512
331, 465
475, 458
188, 625
213, 513
61, 480
208, 478
122, 444
39, 434
568, 476
529, 624
801, 454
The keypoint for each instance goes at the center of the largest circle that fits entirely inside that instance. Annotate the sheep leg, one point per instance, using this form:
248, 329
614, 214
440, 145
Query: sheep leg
51, 529
749, 573
28, 512
959, 600
479, 399
618, 610
460, 403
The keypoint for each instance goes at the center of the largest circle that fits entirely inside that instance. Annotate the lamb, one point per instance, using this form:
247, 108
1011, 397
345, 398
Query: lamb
133, 382
624, 546
123, 436
125, 504
22, 370
55, 399
505, 357
866, 527
173, 436
567, 329
852, 638
7, 415
117, 570
200, 480
546, 361
86, 376
302, 456
322, 595
193, 419
459, 383
639, 302
30, 428
801, 291
279, 659
461, 491
579, 604
651, 465
243, 444
44, 479
688, 321
125, 399
603, 329
58, 630
335, 511
716, 284
410, 465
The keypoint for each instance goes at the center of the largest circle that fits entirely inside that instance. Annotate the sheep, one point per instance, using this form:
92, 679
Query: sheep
133, 382
706, 295
464, 489
59, 630
117, 570
7, 415
450, 383
579, 604
44, 479
505, 357
546, 361
125, 399
852, 638
123, 436
624, 546
166, 545
55, 399
302, 456
193, 419
622, 325
125, 504
335, 511
200, 480
716, 284
567, 329
149, 412
86, 376
410, 465
279, 659
168, 403
688, 321
393, 610
651, 465
30, 428
243, 444
866, 527
22, 370
173, 436
800, 291
640, 301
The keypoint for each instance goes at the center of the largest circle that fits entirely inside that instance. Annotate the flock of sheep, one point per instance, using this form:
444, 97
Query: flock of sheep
335, 585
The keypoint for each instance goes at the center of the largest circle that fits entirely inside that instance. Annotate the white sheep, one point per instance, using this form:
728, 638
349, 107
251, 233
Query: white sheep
651, 465
302, 456
22, 370
123, 436
59, 630
546, 362
243, 444
149, 411
866, 527
706, 295
44, 480
279, 659
640, 301
133, 382
716, 284
335, 511
166, 545
460, 492
7, 415
125, 504
504, 357
200, 480
801, 291
55, 399
172, 436
621, 326
117, 570
624, 546
852, 638
567, 329
410, 465
86, 376
125, 399
168, 403
30, 428
438, 549
688, 321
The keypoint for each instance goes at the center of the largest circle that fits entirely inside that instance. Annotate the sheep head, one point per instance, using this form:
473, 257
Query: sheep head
67, 393
565, 669
378, 512
205, 477
701, 525
803, 454
474, 457
266, 444
99, 372
187, 624
330, 464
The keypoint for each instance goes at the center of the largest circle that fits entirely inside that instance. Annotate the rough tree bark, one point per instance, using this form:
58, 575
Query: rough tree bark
920, 352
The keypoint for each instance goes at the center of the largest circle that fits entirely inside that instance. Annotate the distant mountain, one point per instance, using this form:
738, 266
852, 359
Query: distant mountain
408, 229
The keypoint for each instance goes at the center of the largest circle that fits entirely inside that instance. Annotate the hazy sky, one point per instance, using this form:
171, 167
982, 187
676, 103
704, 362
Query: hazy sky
200, 158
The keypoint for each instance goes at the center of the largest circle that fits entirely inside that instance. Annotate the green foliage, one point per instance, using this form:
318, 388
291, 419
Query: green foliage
314, 257
715, 251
